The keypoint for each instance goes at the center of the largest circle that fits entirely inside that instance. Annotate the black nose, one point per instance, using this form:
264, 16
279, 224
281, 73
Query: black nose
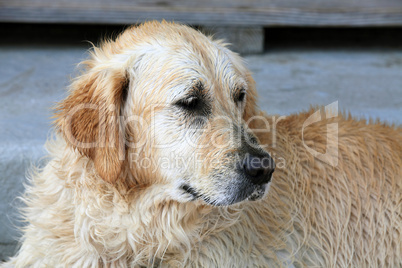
259, 169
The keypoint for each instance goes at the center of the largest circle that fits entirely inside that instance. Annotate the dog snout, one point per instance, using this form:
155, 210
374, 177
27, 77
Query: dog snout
258, 169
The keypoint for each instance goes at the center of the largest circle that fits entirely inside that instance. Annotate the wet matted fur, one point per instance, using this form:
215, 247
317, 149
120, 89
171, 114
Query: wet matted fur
163, 91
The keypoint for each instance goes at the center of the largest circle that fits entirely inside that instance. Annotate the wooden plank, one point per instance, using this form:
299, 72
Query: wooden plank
208, 12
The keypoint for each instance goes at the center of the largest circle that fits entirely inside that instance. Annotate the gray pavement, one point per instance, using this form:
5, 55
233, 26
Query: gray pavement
32, 78
366, 83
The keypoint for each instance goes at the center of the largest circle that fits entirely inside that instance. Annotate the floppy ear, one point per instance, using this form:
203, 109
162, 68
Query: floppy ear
89, 117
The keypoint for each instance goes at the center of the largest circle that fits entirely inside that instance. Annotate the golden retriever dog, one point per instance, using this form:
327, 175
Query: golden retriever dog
161, 158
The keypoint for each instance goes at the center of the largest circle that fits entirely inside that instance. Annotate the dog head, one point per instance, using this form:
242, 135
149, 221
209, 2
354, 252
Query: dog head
171, 106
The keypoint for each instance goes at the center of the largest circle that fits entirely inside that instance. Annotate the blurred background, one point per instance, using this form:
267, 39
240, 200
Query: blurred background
301, 52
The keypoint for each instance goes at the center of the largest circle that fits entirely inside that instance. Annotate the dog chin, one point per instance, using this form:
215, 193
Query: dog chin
257, 192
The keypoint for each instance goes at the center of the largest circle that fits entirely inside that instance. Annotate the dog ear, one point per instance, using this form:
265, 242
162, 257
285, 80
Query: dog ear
89, 117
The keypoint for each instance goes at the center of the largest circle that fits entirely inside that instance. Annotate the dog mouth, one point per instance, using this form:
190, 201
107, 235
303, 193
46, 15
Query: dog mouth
254, 193
191, 191
196, 195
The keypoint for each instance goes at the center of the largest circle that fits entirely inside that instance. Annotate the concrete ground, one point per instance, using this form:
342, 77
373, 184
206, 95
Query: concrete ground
367, 82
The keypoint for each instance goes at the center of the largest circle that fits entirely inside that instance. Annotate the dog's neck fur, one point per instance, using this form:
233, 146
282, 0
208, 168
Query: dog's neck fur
138, 224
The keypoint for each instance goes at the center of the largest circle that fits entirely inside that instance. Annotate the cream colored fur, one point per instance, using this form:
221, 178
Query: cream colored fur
314, 215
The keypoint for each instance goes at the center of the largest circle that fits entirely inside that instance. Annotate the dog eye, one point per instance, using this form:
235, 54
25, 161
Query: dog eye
191, 103
240, 97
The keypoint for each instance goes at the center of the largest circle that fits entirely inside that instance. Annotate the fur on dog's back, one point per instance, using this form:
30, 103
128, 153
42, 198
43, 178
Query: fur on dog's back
315, 214
348, 215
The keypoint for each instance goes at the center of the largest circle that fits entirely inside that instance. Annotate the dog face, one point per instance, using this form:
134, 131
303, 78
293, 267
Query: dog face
171, 106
